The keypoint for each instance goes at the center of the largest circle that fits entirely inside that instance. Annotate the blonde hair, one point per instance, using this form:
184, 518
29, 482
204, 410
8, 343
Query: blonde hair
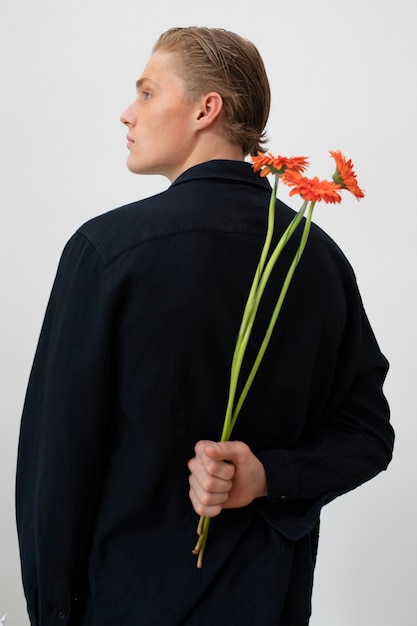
214, 59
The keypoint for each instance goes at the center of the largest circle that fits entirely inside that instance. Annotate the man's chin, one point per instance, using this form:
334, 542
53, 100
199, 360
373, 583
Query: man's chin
133, 167
141, 168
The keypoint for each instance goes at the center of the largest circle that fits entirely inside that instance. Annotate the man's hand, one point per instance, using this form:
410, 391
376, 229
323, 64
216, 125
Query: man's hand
224, 475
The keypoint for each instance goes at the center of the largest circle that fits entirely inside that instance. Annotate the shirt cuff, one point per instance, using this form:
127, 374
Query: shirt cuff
281, 476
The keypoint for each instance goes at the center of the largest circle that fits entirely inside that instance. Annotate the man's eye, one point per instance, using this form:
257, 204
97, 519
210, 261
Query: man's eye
146, 95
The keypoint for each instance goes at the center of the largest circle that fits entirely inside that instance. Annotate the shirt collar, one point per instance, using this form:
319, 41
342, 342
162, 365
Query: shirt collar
224, 169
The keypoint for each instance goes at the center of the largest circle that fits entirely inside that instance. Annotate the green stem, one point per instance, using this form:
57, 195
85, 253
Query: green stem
257, 289
204, 533
277, 252
259, 269
270, 230
243, 338
263, 272
248, 316
275, 315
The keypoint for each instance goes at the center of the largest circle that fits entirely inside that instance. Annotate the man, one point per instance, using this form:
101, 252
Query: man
118, 455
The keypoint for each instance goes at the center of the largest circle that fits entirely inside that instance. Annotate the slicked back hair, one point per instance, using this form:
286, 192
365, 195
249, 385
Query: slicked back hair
214, 59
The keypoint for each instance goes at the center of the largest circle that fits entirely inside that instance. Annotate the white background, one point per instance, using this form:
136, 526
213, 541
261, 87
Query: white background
343, 76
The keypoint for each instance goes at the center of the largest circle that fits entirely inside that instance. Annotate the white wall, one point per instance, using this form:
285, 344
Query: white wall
342, 77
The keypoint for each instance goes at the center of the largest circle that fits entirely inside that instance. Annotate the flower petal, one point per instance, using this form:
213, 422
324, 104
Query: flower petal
312, 189
269, 164
345, 175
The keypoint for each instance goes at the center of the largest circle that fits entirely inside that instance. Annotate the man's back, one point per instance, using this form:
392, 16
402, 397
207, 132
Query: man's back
139, 334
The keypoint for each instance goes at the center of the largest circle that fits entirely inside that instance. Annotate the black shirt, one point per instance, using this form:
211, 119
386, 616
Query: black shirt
132, 369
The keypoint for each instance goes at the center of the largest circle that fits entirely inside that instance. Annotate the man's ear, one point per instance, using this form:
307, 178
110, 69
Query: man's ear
210, 109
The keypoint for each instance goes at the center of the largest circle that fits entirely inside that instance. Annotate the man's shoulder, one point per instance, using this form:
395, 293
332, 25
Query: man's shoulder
217, 195
119, 229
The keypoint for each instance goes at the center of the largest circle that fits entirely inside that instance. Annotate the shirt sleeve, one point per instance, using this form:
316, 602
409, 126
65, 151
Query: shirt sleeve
351, 444
63, 436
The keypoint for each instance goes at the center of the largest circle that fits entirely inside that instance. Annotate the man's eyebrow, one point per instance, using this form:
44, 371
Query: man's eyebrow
141, 81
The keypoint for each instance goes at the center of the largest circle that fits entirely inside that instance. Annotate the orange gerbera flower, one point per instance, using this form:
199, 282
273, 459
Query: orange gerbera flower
344, 174
312, 189
268, 164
